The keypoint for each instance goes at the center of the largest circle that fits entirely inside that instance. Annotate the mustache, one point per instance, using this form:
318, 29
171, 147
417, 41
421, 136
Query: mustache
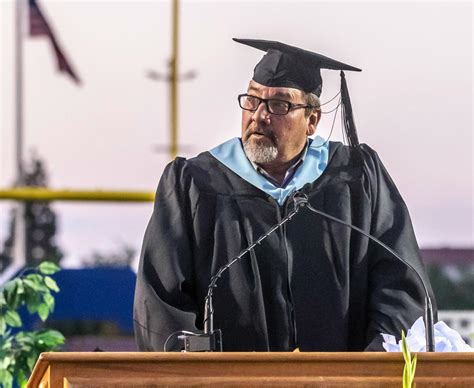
255, 130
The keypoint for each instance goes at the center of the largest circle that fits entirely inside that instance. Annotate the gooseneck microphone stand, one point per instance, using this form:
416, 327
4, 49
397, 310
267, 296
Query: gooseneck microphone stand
208, 309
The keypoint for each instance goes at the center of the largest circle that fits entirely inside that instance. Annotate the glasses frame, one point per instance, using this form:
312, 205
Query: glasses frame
291, 106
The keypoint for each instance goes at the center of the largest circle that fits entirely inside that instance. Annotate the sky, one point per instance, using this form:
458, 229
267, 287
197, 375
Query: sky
412, 101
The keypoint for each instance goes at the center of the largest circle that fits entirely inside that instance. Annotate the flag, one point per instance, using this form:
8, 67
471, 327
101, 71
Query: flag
38, 26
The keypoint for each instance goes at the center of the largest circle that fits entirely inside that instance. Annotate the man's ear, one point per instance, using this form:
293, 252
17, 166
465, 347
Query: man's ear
313, 121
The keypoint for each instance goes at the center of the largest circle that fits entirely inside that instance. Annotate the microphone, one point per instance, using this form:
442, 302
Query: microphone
301, 200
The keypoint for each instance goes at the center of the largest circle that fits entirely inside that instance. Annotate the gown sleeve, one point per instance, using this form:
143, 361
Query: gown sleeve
164, 301
396, 296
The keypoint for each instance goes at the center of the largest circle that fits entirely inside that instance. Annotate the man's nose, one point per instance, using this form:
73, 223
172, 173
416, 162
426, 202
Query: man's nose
262, 113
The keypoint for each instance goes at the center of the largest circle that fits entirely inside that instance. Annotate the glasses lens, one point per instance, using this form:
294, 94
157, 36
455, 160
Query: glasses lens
249, 102
278, 107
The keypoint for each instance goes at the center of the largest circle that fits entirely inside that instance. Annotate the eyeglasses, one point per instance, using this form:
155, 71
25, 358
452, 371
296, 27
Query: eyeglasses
274, 106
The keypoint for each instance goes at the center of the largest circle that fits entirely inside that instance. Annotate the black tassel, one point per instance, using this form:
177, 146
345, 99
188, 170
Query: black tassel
347, 117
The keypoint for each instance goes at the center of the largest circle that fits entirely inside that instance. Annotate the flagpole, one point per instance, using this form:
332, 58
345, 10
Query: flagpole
19, 249
174, 82
19, 15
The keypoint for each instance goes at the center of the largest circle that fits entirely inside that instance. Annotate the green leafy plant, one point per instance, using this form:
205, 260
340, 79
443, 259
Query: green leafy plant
410, 364
32, 288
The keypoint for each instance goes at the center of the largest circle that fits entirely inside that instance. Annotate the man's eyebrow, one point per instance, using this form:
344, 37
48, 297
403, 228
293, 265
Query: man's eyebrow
286, 95
252, 88
283, 95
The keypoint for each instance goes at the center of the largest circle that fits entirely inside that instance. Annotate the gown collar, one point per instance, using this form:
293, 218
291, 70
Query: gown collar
232, 155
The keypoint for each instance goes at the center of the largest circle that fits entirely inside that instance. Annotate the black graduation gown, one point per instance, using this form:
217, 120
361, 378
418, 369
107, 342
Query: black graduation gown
314, 284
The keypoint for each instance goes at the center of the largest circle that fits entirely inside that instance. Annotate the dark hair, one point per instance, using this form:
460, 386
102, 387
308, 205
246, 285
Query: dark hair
313, 100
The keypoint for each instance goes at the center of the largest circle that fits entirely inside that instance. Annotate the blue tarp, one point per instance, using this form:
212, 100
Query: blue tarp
93, 294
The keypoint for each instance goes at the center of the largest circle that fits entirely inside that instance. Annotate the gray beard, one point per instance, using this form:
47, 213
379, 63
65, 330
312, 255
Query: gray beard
260, 153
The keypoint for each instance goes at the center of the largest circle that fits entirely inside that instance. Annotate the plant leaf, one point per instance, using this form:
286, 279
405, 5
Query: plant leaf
413, 369
6, 361
407, 370
12, 318
12, 293
49, 301
22, 380
6, 378
51, 283
9, 287
3, 301
25, 340
43, 311
37, 280
48, 268
6, 342
19, 286
33, 299
406, 379
32, 285
31, 361
405, 350
50, 338
3, 325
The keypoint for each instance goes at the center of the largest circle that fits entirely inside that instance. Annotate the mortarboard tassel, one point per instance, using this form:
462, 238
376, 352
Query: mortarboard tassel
347, 117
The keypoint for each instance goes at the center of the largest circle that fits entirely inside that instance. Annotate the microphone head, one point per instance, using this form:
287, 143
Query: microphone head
299, 199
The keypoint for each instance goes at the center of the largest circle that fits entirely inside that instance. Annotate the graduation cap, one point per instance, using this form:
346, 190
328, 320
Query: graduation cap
292, 67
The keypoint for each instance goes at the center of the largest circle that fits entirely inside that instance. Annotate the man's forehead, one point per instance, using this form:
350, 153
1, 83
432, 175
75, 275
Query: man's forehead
273, 91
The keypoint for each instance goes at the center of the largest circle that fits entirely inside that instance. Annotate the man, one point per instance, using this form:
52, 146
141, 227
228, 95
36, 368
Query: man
314, 284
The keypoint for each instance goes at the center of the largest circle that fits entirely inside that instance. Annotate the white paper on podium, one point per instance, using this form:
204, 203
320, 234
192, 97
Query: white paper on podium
446, 339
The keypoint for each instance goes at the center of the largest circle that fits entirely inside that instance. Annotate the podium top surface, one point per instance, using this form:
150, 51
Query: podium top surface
248, 356
123, 369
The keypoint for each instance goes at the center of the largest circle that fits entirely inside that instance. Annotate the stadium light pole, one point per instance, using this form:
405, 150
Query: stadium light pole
173, 78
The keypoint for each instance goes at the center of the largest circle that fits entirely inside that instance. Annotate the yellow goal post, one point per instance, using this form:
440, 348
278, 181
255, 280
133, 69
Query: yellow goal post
46, 194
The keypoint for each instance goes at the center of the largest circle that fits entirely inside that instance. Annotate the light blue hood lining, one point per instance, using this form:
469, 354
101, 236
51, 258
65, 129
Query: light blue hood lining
232, 155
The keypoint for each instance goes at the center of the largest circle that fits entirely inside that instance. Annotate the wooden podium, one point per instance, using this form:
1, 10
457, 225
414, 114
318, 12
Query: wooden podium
101, 369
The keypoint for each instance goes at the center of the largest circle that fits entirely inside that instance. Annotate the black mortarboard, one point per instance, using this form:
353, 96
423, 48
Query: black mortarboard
292, 67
